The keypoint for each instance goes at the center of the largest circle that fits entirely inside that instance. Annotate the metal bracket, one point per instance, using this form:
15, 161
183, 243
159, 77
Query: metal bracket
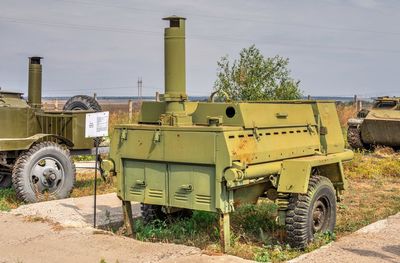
124, 134
157, 136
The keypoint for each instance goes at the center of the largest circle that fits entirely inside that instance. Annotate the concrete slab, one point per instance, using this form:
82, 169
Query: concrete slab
78, 212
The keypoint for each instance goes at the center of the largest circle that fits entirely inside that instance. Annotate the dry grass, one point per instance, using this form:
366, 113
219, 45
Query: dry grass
85, 184
382, 163
55, 226
345, 112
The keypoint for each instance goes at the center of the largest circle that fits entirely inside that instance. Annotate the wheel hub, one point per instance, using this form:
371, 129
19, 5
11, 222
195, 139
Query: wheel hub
320, 215
47, 175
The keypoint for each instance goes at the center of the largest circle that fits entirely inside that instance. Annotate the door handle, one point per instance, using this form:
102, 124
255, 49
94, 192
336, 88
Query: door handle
140, 183
187, 187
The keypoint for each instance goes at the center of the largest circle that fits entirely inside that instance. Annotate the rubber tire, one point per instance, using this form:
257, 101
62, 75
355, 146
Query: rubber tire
24, 163
299, 216
5, 178
150, 213
82, 102
354, 138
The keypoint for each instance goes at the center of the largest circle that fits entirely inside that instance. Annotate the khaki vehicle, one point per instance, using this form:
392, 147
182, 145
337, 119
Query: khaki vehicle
35, 145
211, 156
378, 126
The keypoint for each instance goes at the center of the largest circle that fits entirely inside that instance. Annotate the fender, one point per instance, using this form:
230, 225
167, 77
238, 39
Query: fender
295, 173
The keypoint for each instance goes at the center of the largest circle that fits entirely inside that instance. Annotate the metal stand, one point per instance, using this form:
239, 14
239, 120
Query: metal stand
128, 219
96, 142
225, 232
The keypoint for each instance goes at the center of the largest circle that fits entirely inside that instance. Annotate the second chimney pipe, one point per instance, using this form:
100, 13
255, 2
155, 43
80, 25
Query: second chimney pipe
174, 59
35, 82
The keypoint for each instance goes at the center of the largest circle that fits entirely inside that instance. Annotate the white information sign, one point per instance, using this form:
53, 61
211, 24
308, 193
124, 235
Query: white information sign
96, 124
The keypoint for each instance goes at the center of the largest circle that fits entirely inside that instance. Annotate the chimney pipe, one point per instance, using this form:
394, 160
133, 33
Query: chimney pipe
174, 63
35, 82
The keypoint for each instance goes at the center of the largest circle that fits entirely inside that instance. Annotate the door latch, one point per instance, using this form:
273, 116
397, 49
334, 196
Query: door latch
187, 187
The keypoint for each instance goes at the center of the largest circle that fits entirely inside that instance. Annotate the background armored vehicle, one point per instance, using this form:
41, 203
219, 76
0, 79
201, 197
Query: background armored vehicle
214, 157
377, 126
35, 145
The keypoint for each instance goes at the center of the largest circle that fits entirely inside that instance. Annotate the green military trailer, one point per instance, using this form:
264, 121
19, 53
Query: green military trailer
378, 126
211, 156
35, 145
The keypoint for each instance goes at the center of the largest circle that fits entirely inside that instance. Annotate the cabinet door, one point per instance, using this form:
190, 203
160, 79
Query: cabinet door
145, 182
192, 186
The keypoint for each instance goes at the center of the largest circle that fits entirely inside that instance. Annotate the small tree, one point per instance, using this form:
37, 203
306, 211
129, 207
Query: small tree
254, 77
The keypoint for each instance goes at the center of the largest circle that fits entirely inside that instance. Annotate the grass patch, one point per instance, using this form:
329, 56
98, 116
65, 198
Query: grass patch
8, 200
374, 165
198, 230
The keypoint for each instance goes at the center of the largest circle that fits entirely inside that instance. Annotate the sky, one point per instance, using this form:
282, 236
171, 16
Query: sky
336, 48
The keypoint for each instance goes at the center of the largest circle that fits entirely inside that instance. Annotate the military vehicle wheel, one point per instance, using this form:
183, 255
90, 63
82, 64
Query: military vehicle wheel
354, 138
82, 102
5, 178
151, 213
44, 172
311, 213
154, 212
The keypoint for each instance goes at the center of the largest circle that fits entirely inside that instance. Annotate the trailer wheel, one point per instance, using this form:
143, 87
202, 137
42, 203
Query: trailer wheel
354, 138
82, 102
151, 213
5, 178
44, 172
311, 213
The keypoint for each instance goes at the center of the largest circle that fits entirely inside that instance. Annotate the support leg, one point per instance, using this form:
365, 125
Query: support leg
225, 232
128, 219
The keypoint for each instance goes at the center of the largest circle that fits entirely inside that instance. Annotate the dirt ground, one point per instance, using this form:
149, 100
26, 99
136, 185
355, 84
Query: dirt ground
32, 240
378, 242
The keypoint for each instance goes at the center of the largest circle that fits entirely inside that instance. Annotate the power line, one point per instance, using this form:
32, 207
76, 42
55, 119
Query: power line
229, 39
78, 26
257, 19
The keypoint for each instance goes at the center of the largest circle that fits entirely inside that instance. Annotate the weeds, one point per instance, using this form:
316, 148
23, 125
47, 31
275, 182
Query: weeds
8, 200
198, 230
375, 165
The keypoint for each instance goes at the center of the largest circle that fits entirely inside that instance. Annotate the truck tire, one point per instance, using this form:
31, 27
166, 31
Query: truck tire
82, 102
150, 213
44, 172
154, 212
311, 213
5, 178
354, 137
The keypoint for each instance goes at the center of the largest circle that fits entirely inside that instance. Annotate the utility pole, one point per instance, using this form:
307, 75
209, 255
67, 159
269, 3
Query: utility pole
140, 88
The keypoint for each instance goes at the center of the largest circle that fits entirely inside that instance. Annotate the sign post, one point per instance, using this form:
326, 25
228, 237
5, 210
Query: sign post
96, 126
